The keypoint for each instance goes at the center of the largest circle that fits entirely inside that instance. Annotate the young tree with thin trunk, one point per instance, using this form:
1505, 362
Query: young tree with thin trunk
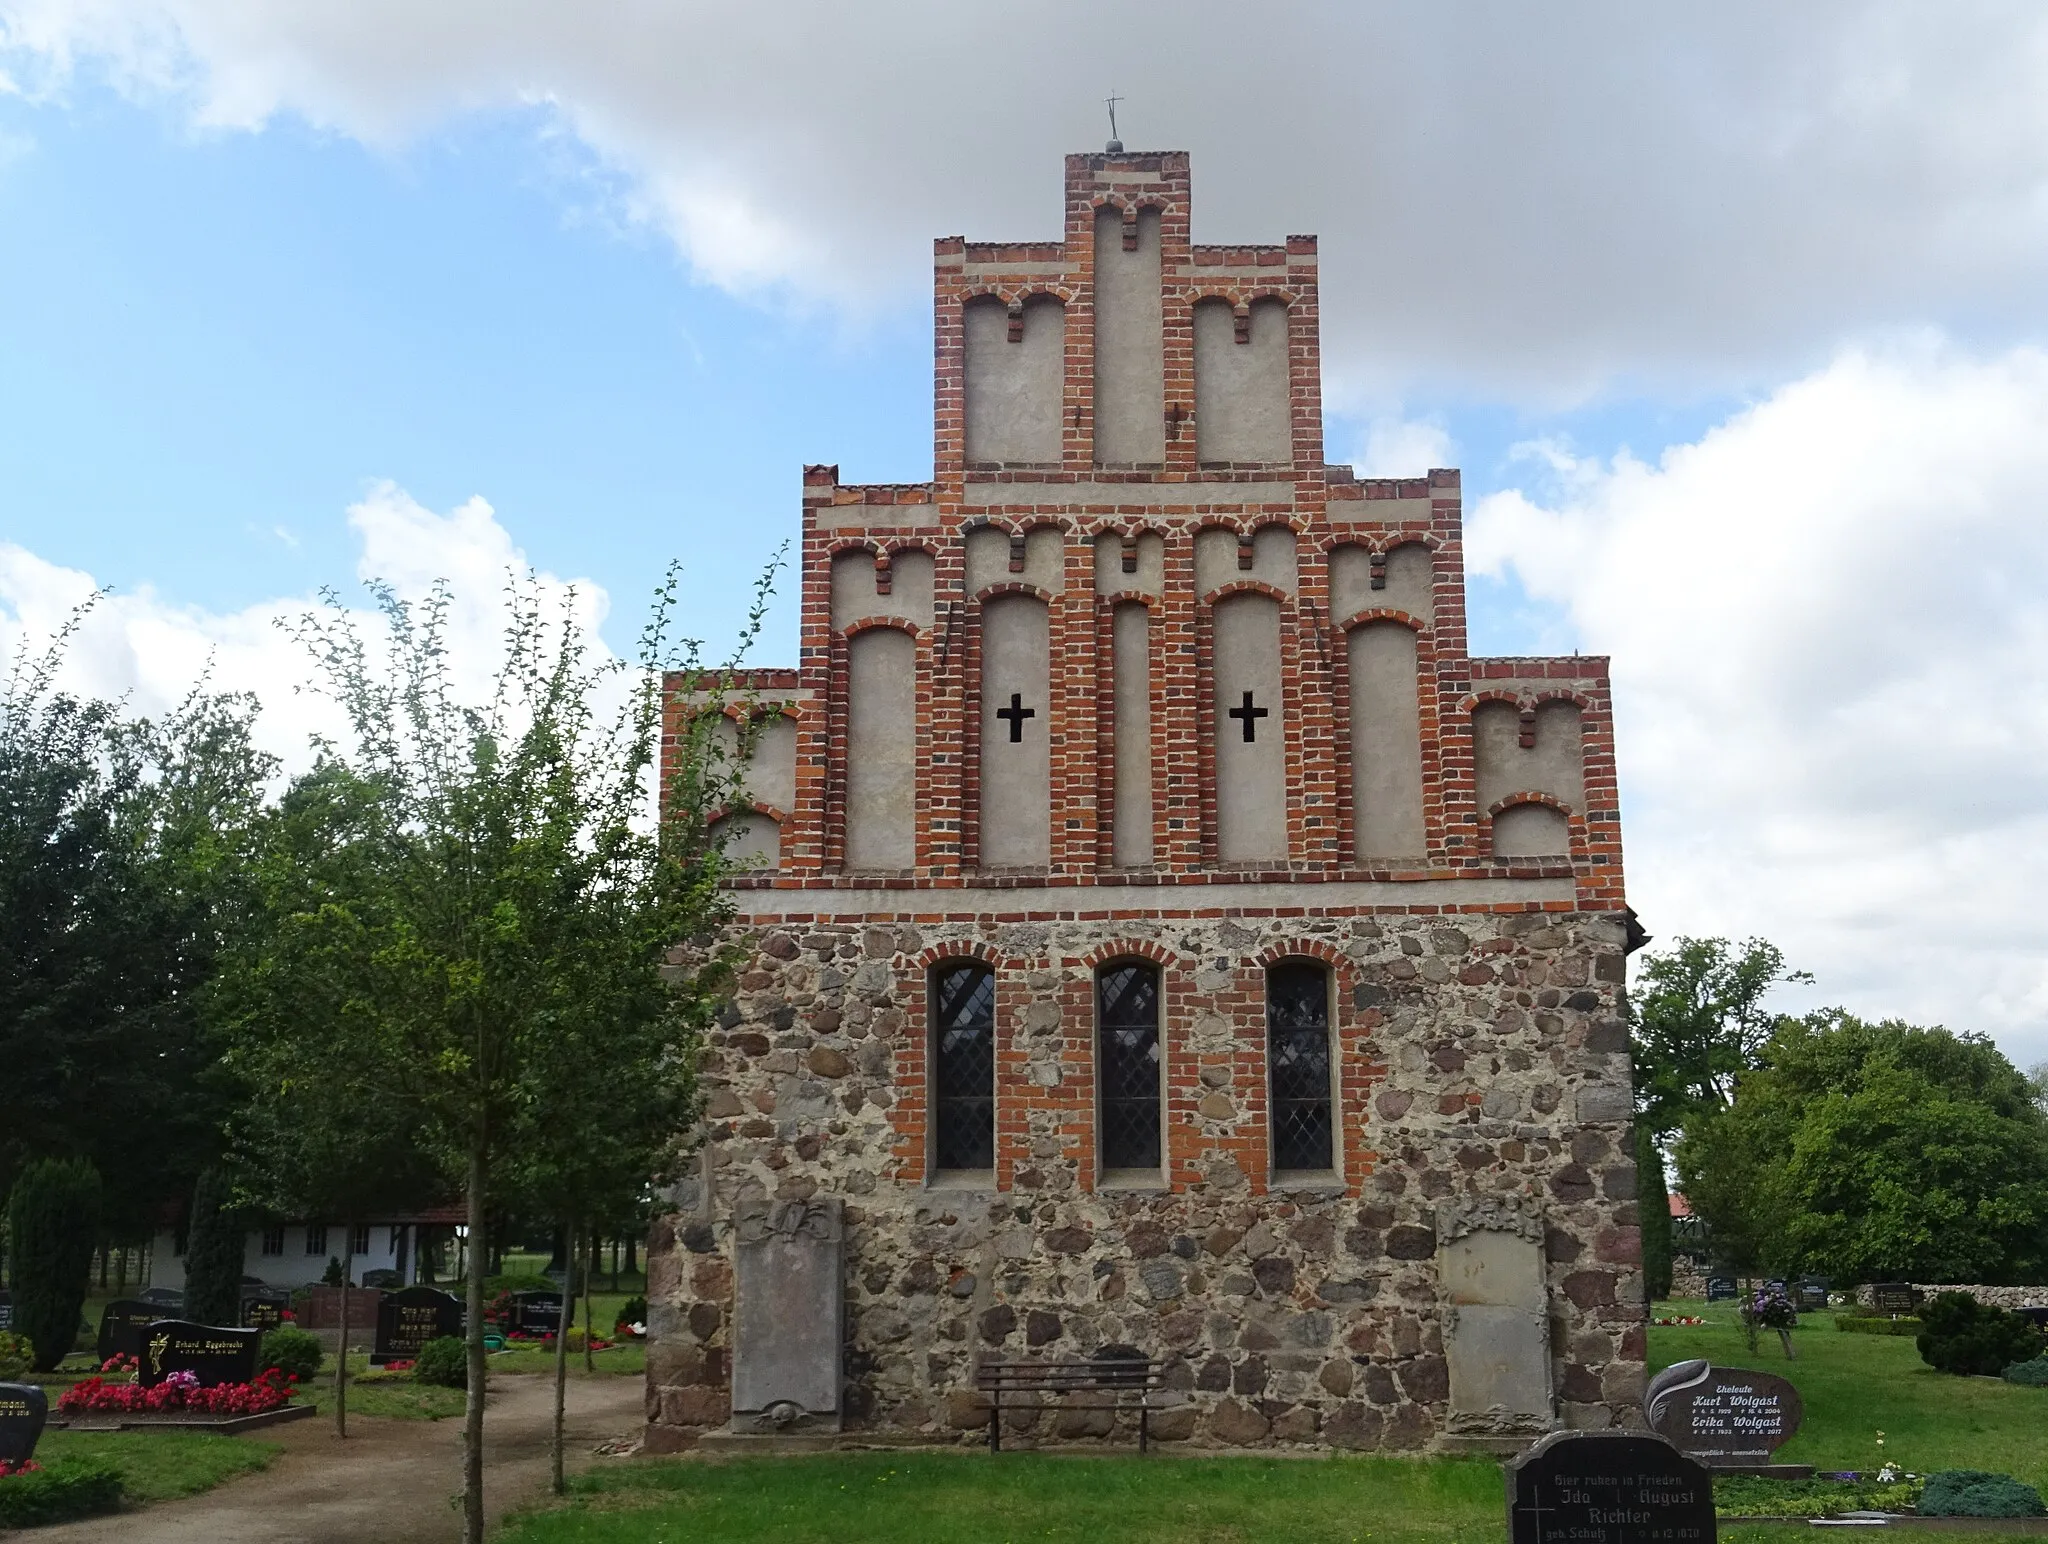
512, 906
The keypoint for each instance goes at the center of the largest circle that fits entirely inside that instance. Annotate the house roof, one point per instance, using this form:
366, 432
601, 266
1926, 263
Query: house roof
1680, 1207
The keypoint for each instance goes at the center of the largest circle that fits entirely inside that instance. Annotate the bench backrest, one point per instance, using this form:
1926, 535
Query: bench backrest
1055, 1377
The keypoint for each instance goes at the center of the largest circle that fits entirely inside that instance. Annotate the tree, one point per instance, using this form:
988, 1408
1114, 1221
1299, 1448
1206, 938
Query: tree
1871, 1151
1700, 1023
215, 1236
311, 1135
1653, 1205
119, 860
510, 898
52, 1218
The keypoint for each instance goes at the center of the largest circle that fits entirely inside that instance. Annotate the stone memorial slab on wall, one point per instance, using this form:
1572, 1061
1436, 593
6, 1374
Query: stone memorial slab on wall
1496, 1318
1726, 1417
211, 1353
407, 1320
789, 1259
23, 1409
1600, 1488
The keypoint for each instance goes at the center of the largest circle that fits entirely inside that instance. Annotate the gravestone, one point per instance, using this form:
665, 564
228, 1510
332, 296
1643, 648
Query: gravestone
6, 1310
1722, 1289
1894, 1297
1608, 1488
263, 1307
1813, 1294
162, 1297
788, 1312
121, 1325
23, 1409
214, 1354
1726, 1417
408, 1319
1496, 1319
536, 1313
383, 1279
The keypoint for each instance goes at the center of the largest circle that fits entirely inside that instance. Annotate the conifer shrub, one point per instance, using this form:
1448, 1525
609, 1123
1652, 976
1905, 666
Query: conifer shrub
2032, 1374
1975, 1493
214, 1240
293, 1351
1969, 1337
53, 1217
443, 1363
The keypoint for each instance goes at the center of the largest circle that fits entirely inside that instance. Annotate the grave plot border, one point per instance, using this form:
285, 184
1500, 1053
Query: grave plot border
223, 1425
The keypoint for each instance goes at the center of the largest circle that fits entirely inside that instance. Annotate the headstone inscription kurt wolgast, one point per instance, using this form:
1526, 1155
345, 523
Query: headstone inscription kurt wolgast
408, 1319
213, 1354
23, 1409
1608, 1488
1726, 1417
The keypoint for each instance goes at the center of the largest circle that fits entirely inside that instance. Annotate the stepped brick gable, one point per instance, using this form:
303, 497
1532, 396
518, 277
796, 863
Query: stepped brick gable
1163, 933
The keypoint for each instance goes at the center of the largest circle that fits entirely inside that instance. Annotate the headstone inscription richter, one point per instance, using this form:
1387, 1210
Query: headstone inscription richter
408, 1319
788, 1313
23, 1409
1726, 1417
121, 1325
1607, 1488
211, 1353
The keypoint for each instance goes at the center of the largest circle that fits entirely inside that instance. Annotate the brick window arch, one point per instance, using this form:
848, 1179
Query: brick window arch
1298, 1056
1129, 1057
963, 1014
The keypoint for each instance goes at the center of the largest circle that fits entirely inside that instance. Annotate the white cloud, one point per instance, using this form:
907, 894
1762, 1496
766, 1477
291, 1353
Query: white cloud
1530, 200
1405, 447
1830, 642
151, 650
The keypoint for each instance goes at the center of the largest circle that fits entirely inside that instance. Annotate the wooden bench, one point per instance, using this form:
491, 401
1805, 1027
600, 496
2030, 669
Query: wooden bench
1034, 1385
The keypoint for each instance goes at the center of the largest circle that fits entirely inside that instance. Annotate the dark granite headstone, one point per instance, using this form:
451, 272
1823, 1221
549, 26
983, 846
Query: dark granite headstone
536, 1313
1722, 1289
263, 1307
1608, 1488
384, 1280
6, 1310
23, 1409
2038, 1317
408, 1319
121, 1325
1726, 1417
1812, 1294
215, 1354
162, 1297
1894, 1297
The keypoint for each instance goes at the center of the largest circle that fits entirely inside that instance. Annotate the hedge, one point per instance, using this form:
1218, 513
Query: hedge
1856, 1324
44, 1496
1975, 1493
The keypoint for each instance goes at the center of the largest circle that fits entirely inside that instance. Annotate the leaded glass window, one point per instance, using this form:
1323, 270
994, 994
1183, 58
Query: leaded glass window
1127, 1015
964, 1067
1298, 1042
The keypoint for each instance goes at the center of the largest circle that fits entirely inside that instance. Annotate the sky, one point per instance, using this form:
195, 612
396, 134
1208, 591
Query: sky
1734, 318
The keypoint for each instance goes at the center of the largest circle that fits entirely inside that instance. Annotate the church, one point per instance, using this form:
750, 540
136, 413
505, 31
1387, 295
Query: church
1162, 933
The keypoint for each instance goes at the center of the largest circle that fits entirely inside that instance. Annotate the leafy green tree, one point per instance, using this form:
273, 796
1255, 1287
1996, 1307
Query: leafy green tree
215, 1236
1653, 1205
510, 904
1700, 1023
120, 841
1869, 1151
53, 1218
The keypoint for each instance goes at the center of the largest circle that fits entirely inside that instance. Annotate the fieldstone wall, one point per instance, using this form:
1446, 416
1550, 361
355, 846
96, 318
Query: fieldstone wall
1482, 1058
1994, 1297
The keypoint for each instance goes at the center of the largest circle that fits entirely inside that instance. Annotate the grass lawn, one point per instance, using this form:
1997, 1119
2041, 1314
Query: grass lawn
158, 1465
1854, 1387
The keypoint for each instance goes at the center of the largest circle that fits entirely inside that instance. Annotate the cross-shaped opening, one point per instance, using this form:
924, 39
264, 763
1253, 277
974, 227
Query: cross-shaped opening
1249, 716
1016, 713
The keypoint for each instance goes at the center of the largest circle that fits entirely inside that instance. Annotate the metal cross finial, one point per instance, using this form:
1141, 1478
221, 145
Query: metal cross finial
1115, 143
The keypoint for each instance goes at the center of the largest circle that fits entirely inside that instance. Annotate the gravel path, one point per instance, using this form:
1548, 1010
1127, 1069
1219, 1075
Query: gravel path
392, 1482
